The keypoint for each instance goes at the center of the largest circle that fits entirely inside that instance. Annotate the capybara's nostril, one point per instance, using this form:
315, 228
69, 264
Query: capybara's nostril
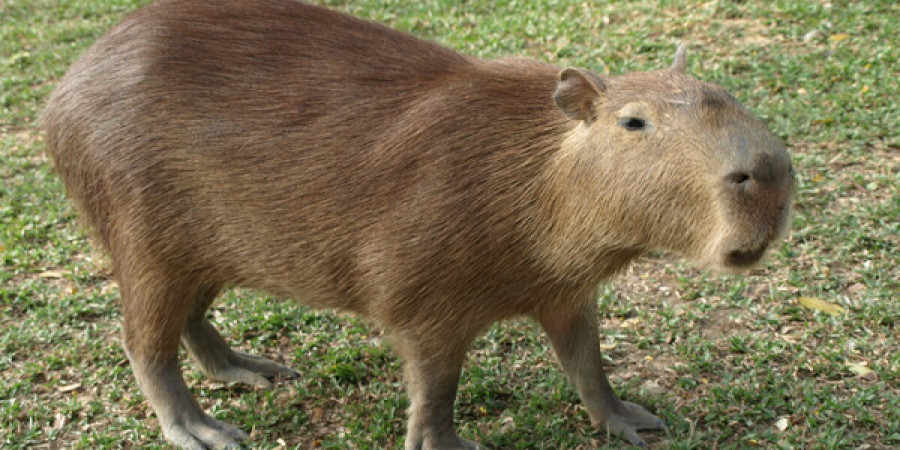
768, 172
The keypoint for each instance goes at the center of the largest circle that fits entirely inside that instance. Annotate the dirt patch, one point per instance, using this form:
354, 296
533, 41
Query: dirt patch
723, 323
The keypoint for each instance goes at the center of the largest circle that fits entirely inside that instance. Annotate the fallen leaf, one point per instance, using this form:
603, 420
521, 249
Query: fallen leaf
507, 424
862, 371
60, 422
17, 58
838, 37
607, 346
653, 388
53, 274
813, 35
821, 305
69, 387
109, 287
782, 423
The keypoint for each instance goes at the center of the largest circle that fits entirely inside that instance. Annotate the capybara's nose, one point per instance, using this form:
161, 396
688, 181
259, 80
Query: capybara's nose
767, 171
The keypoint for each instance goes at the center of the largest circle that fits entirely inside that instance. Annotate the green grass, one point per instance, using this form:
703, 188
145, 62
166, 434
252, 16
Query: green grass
726, 359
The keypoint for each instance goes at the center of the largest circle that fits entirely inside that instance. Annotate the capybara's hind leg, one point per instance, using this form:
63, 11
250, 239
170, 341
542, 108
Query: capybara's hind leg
217, 360
155, 308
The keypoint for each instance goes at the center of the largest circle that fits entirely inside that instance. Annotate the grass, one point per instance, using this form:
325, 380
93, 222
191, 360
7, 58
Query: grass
730, 361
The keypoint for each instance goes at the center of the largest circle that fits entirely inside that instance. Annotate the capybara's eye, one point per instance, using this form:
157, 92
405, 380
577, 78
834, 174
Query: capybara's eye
633, 123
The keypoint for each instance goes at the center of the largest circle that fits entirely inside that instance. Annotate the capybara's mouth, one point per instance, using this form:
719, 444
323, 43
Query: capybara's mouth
745, 257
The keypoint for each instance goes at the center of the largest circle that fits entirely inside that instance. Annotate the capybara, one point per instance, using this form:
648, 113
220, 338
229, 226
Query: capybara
288, 148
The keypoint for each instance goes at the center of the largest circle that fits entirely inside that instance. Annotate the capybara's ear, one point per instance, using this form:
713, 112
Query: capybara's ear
680, 62
577, 91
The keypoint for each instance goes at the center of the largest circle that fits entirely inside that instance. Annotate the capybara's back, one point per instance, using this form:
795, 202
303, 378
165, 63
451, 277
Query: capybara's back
286, 147
216, 138
274, 151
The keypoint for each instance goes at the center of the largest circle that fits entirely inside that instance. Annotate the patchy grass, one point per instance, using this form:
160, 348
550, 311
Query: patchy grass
731, 361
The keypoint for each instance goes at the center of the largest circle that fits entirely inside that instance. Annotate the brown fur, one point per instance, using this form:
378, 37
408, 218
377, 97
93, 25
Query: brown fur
312, 155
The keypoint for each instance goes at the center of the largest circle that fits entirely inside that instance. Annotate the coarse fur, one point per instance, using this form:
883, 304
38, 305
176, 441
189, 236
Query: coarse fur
285, 147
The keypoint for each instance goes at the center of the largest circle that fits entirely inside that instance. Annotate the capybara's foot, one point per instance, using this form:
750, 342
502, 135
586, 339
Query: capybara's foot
249, 369
183, 423
451, 443
629, 418
200, 432
220, 363
469, 445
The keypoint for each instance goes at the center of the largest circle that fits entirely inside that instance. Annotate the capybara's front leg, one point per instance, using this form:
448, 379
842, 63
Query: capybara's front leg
576, 343
433, 367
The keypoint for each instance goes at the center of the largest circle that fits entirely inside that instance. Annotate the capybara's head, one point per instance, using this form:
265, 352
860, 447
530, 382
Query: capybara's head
660, 160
